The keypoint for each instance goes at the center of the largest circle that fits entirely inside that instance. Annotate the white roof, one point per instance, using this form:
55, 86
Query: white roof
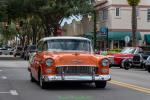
64, 37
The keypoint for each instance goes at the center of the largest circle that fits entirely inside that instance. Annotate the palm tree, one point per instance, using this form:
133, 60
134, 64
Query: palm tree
134, 4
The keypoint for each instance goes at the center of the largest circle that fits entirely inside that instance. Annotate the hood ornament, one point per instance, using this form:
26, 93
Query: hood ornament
77, 61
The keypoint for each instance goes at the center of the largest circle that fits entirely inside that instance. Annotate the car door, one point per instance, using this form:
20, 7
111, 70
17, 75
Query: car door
36, 60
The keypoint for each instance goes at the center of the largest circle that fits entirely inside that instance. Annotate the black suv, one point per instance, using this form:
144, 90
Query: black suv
30, 49
17, 51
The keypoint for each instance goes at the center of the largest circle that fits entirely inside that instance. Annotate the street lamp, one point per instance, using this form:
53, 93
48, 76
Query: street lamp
94, 27
95, 38
104, 31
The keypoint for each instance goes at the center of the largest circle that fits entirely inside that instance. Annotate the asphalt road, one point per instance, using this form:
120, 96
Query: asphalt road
125, 85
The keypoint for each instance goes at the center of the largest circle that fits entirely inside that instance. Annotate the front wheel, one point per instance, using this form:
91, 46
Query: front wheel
41, 82
126, 64
15, 55
148, 69
101, 84
32, 78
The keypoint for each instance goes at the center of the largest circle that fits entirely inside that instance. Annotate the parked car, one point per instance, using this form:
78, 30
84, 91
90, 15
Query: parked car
138, 60
10, 50
18, 51
126, 53
147, 64
30, 49
0, 51
3, 51
6, 51
68, 59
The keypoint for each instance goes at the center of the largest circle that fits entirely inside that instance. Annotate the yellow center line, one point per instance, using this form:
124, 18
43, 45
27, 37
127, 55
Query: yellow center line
131, 86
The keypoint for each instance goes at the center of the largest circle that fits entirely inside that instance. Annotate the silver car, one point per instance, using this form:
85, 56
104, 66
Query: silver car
147, 64
6, 51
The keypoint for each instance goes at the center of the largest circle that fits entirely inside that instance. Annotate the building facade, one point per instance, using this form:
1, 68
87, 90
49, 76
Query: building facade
116, 16
73, 29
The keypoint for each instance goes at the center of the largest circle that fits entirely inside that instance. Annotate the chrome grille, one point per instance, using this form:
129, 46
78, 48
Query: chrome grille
76, 70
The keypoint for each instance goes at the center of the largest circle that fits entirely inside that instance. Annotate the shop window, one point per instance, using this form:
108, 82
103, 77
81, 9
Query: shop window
148, 14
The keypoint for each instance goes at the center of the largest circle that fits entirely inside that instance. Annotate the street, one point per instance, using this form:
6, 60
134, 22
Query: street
15, 84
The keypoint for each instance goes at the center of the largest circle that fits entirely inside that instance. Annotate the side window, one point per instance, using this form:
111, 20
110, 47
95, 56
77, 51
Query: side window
136, 51
148, 14
40, 45
140, 50
45, 46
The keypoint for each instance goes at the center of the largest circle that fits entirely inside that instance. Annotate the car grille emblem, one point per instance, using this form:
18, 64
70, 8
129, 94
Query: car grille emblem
76, 61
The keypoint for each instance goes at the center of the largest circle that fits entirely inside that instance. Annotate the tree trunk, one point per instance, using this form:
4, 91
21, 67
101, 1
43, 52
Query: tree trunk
55, 30
47, 27
47, 31
134, 27
95, 38
34, 35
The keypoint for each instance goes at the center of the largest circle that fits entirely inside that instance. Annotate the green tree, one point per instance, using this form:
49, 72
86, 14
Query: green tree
55, 11
134, 4
46, 13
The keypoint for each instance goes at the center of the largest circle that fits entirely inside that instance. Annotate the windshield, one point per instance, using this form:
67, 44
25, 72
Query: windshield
69, 45
148, 58
128, 50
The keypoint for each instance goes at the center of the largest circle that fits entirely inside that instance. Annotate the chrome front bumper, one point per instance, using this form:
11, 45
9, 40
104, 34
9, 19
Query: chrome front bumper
77, 78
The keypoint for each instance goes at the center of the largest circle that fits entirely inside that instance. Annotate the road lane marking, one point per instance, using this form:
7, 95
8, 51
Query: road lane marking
4, 92
13, 92
131, 86
4, 77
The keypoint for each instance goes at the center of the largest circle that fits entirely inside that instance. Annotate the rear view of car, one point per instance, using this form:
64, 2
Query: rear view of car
17, 51
30, 49
6, 51
3, 51
147, 64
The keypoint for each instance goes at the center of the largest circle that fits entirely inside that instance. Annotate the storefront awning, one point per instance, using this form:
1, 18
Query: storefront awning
112, 35
147, 38
90, 35
121, 35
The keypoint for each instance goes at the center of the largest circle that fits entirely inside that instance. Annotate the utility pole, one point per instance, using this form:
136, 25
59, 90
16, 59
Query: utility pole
95, 38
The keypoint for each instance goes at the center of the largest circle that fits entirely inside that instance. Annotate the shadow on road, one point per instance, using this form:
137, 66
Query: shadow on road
72, 86
9, 57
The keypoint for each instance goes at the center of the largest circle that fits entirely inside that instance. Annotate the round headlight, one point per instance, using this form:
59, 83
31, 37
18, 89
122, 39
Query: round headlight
105, 62
49, 62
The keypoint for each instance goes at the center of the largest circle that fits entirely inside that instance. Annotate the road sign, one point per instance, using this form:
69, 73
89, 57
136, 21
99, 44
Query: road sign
103, 30
127, 39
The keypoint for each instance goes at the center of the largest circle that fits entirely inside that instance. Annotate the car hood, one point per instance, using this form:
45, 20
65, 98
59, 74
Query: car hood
73, 58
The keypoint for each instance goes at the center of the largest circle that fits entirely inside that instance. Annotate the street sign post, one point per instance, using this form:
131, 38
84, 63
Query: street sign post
127, 40
104, 32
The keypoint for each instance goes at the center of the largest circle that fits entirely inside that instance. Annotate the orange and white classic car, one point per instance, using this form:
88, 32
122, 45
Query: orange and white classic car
68, 59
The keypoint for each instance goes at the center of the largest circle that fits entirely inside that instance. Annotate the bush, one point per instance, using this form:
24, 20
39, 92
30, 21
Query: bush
113, 51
